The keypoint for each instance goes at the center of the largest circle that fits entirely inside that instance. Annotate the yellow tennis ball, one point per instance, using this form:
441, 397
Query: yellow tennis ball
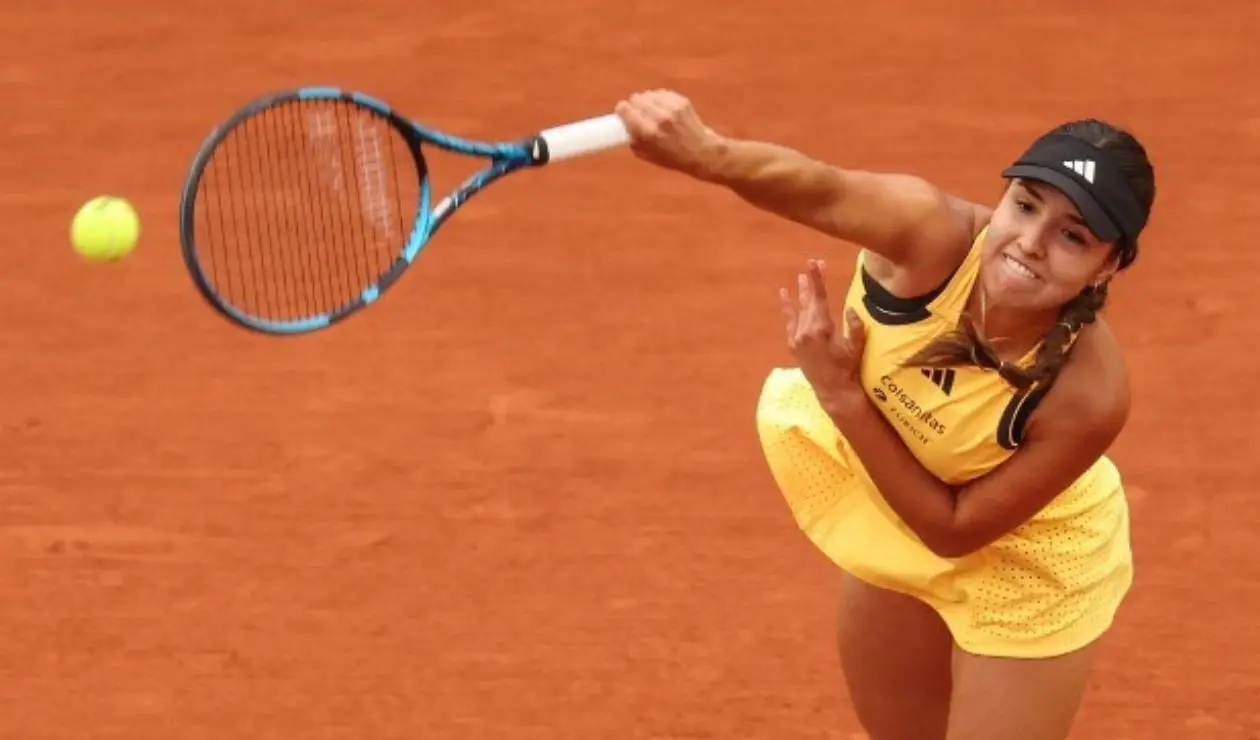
105, 229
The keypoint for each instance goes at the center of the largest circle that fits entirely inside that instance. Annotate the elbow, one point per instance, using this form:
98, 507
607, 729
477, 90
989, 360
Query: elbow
953, 534
829, 184
953, 550
952, 544
820, 196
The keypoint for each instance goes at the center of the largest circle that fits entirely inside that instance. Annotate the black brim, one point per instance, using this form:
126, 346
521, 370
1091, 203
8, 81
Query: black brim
1095, 217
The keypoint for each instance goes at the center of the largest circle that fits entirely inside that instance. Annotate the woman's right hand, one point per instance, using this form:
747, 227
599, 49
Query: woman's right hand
666, 131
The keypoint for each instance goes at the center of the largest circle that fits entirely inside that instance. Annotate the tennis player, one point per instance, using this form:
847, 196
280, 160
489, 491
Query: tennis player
943, 435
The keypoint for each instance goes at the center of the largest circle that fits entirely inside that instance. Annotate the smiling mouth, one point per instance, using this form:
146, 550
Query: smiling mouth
1019, 268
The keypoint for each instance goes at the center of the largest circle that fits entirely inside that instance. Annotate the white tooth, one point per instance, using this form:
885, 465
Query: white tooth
1020, 268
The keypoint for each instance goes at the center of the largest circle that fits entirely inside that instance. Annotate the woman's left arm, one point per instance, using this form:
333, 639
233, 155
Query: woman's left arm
1073, 427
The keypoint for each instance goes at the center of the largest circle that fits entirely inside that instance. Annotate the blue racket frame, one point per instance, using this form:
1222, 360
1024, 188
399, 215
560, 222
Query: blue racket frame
504, 158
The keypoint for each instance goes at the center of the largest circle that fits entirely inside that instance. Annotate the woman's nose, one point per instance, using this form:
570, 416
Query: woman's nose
1029, 245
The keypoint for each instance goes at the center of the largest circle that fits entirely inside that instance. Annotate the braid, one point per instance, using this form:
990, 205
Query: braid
966, 345
1078, 312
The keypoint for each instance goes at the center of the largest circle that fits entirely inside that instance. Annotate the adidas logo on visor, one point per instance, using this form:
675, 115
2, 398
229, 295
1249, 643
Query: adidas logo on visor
1084, 168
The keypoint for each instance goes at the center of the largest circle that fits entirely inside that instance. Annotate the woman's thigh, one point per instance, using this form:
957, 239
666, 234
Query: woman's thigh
1030, 699
895, 653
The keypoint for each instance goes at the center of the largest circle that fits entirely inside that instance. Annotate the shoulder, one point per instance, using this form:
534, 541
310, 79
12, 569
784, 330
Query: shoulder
1091, 398
941, 238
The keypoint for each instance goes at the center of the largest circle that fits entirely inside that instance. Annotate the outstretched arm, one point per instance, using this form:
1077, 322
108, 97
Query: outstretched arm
903, 218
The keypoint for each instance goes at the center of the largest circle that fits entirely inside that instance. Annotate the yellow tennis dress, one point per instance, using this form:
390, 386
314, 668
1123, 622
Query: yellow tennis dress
1051, 586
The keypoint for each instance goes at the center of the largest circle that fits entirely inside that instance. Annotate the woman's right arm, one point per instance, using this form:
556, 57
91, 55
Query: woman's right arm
897, 216
903, 218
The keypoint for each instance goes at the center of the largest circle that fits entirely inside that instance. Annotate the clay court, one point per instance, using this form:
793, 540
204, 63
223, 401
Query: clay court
522, 497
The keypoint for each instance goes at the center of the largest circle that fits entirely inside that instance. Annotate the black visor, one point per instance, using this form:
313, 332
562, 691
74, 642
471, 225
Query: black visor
1089, 177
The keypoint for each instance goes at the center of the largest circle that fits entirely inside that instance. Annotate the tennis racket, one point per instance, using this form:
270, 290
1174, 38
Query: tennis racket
306, 205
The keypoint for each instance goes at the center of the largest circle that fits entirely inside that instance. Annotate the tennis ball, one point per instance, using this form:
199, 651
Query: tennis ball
105, 229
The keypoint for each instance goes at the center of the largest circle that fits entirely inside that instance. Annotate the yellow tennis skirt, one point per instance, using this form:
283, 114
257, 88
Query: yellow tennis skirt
1050, 587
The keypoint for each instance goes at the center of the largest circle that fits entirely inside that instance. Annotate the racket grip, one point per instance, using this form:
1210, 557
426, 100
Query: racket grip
582, 138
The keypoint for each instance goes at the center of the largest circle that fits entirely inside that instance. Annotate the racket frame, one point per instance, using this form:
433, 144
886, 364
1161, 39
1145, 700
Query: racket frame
550, 145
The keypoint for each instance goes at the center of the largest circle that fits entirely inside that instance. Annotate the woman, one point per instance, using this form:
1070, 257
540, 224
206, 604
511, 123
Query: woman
946, 445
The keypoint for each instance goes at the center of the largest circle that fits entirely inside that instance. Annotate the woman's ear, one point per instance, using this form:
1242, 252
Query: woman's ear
1107, 271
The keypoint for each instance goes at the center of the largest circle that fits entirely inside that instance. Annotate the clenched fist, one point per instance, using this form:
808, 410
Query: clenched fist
666, 131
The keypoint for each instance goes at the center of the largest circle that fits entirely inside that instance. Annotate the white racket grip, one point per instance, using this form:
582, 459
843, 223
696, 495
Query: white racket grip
584, 137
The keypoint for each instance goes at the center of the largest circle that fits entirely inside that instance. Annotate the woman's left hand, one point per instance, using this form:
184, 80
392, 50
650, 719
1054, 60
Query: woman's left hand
830, 360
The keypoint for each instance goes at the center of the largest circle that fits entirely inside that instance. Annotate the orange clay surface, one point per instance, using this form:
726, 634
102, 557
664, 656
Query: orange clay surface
521, 498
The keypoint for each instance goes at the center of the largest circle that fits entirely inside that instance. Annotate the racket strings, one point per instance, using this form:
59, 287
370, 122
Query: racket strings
302, 206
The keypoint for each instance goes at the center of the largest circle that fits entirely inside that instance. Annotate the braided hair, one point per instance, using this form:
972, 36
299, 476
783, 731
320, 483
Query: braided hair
967, 345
